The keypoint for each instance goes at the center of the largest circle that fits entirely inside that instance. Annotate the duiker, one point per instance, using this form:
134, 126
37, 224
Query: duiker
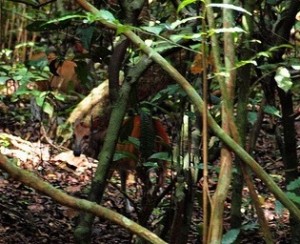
89, 138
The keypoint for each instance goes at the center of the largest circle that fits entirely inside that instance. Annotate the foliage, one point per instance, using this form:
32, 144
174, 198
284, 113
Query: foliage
230, 236
283, 79
178, 28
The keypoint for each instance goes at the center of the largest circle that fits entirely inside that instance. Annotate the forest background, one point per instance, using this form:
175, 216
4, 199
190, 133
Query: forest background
223, 79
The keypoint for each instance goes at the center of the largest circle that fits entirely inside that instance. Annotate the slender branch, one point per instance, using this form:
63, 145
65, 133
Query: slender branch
228, 85
205, 136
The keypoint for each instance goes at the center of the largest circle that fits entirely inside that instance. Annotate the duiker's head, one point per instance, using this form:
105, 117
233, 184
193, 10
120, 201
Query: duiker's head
82, 134
89, 136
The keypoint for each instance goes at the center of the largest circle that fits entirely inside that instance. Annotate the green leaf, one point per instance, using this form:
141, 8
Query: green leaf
48, 108
3, 79
272, 111
245, 62
154, 29
119, 155
263, 54
250, 226
4, 140
230, 236
294, 63
40, 99
161, 156
135, 141
161, 46
184, 3
295, 198
150, 164
59, 96
229, 6
295, 184
106, 15
176, 23
123, 28
268, 67
283, 79
252, 117
67, 17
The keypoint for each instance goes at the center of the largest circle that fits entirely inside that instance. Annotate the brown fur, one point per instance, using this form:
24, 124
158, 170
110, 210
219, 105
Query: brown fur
89, 138
65, 78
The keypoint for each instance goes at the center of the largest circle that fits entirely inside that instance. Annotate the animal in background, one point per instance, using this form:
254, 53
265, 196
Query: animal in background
64, 77
88, 139
64, 73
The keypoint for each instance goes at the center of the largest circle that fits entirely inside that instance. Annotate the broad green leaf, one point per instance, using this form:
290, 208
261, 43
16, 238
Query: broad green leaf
162, 46
157, 29
297, 26
268, 53
283, 79
272, 111
119, 155
229, 6
101, 15
296, 66
275, 48
294, 63
161, 156
184, 3
3, 79
295, 184
4, 141
59, 96
295, 198
268, 67
230, 236
263, 54
252, 117
106, 15
245, 62
250, 226
48, 108
150, 164
40, 100
135, 141
5, 68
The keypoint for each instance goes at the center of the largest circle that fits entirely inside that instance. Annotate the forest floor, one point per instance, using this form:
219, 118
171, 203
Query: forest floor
28, 217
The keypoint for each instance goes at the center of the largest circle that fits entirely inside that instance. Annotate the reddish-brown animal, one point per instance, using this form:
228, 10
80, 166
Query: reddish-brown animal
89, 137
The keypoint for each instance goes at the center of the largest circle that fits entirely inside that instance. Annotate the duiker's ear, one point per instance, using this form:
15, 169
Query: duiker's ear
95, 123
77, 122
80, 124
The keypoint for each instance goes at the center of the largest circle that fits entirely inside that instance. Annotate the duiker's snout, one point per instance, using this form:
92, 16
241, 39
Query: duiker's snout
77, 152
81, 137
